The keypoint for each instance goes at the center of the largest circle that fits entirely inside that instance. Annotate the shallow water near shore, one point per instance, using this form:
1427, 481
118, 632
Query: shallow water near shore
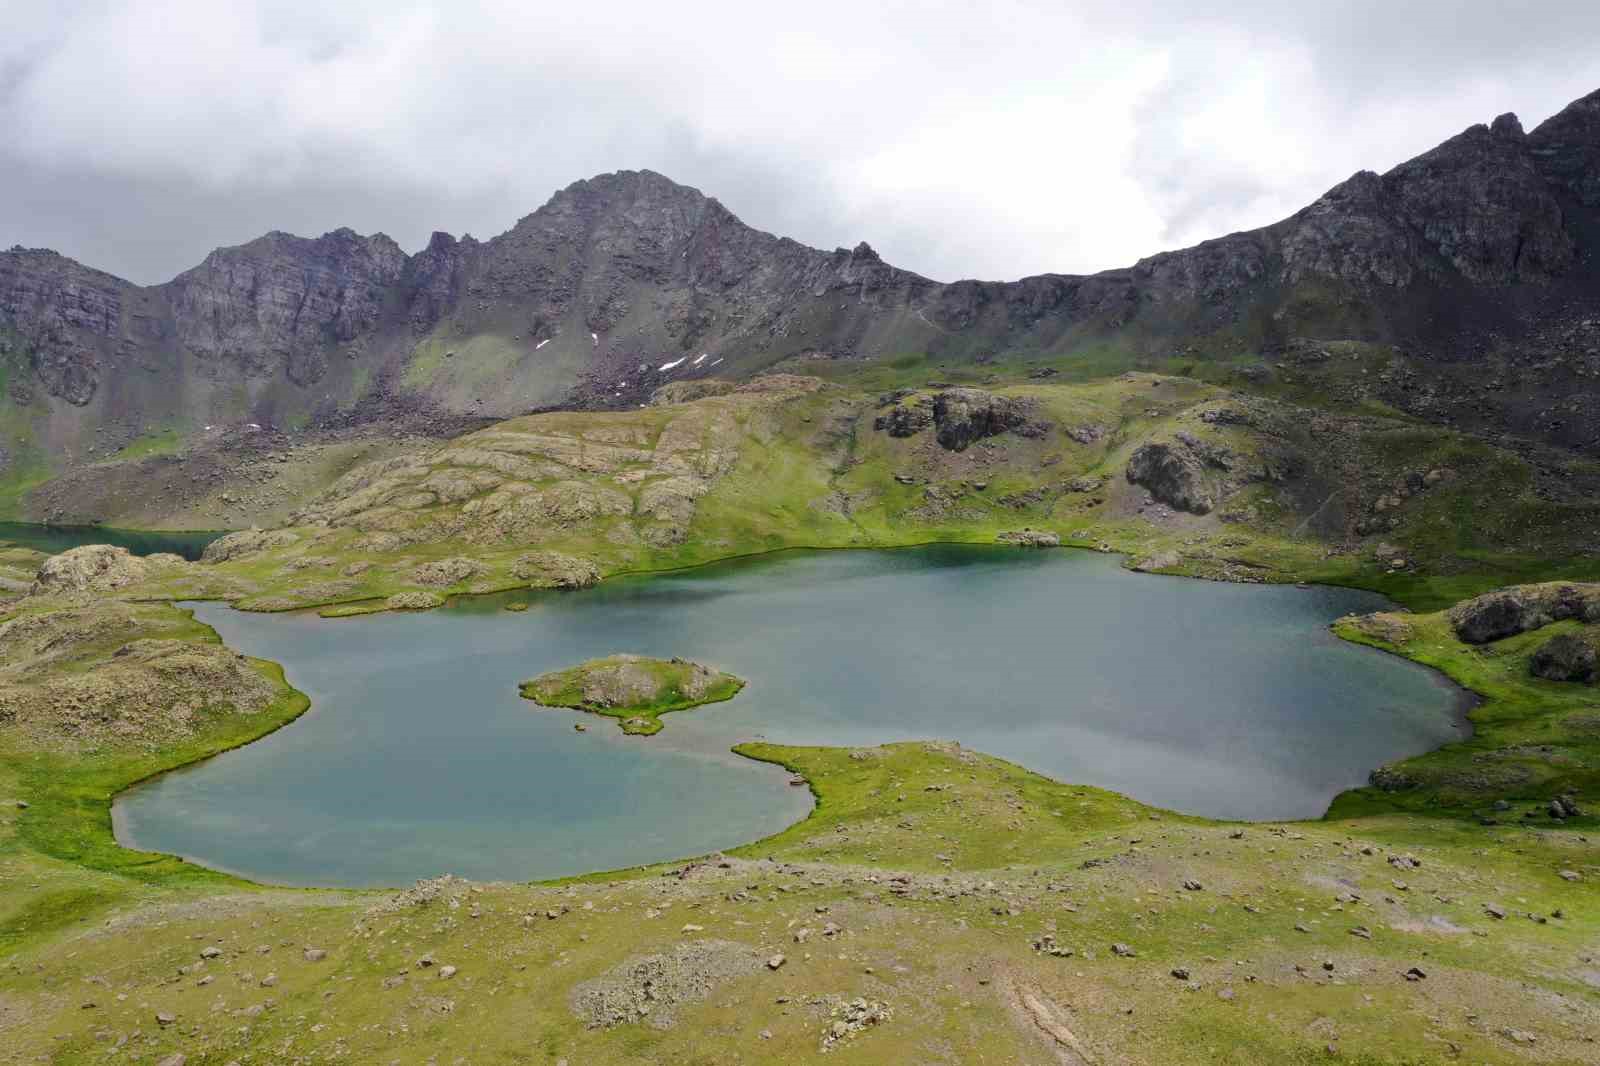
419, 758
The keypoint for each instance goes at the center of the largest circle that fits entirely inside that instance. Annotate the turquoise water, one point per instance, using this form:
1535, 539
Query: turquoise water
419, 758
53, 539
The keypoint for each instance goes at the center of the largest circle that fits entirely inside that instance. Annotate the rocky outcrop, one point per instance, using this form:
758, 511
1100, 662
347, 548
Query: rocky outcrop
91, 568
129, 683
1522, 608
246, 542
558, 570
962, 416
443, 572
1174, 475
1566, 657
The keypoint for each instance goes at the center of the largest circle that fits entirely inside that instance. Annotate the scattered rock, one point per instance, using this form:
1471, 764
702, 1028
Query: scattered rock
853, 1017
651, 987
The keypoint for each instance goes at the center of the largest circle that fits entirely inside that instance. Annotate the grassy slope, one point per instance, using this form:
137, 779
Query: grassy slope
996, 856
66, 827
812, 472
989, 856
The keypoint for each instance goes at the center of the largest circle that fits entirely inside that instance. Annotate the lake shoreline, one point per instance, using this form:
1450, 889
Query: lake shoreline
975, 552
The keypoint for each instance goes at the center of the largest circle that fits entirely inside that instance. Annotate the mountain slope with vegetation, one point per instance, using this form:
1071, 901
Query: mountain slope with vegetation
1475, 262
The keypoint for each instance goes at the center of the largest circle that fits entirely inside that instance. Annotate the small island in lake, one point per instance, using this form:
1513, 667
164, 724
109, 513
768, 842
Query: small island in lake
632, 688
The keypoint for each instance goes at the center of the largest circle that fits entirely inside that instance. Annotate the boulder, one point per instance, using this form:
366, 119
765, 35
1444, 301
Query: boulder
963, 416
1567, 657
1521, 609
1172, 473
91, 568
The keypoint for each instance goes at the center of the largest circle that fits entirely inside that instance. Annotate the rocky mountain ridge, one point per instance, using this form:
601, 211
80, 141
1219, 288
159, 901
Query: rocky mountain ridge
1482, 249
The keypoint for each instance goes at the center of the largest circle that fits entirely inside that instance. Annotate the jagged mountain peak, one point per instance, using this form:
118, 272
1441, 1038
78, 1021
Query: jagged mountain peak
1467, 245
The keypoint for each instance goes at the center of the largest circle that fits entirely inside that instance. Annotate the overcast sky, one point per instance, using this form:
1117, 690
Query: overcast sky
961, 139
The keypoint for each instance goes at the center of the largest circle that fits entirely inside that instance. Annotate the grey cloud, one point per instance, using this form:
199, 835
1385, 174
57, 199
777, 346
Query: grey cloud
998, 141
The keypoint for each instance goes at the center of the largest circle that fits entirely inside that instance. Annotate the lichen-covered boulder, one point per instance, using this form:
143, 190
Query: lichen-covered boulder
558, 570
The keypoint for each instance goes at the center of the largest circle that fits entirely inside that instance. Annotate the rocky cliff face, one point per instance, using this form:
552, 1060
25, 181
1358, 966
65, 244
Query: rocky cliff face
1482, 245
283, 303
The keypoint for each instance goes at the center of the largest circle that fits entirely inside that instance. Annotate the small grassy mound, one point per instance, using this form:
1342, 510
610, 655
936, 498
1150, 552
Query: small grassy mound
633, 689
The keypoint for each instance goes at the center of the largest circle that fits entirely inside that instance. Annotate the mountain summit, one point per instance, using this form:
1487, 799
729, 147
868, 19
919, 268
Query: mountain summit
1480, 253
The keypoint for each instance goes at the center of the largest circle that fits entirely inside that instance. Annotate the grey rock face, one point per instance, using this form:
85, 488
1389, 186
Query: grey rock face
962, 416
1567, 657
1173, 474
281, 301
904, 420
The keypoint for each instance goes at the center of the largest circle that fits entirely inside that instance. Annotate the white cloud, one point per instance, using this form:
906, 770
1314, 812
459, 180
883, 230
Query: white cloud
960, 140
